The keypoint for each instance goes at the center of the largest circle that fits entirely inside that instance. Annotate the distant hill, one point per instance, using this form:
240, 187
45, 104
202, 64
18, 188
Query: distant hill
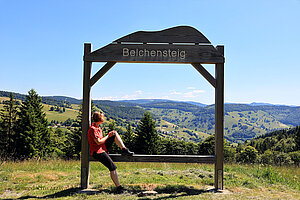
46, 100
151, 101
190, 120
64, 98
145, 101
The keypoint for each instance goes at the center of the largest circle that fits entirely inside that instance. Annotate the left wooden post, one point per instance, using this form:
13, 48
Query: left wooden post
86, 118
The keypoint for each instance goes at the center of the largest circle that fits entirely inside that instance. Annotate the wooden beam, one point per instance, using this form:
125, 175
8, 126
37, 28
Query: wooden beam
86, 119
101, 72
205, 74
219, 123
162, 158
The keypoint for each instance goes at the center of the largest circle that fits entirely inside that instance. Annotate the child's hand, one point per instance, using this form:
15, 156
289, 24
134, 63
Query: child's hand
112, 133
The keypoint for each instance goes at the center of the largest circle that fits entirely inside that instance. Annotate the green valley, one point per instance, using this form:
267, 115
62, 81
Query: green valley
182, 120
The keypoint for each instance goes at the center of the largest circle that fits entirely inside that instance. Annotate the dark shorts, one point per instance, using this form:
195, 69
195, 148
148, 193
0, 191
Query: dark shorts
104, 158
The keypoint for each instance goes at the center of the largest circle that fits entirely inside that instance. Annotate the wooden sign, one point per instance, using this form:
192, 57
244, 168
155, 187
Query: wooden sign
181, 44
162, 53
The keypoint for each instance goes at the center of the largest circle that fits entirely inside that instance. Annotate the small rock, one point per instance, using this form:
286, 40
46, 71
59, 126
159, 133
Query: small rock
147, 193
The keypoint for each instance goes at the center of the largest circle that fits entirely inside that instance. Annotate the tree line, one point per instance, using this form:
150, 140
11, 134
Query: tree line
25, 133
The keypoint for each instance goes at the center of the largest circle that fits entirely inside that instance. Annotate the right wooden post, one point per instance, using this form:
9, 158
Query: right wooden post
219, 122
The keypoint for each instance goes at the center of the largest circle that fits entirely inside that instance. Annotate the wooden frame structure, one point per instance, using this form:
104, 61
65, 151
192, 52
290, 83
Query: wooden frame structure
181, 44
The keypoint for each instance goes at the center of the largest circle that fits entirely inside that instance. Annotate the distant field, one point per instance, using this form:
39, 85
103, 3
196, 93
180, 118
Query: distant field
52, 115
177, 131
61, 117
5, 99
61, 179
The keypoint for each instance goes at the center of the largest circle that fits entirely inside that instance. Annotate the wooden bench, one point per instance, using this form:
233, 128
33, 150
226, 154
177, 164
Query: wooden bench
162, 158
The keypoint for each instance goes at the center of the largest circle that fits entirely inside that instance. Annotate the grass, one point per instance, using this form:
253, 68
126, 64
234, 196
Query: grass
61, 117
61, 179
53, 115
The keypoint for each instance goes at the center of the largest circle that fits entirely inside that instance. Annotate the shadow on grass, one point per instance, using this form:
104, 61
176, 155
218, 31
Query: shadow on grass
63, 193
172, 191
177, 191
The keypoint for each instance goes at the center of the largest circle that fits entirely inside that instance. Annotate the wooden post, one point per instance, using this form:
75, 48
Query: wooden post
219, 122
86, 119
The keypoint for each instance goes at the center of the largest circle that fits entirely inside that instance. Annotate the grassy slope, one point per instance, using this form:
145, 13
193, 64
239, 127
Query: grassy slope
259, 123
61, 117
176, 131
52, 115
52, 179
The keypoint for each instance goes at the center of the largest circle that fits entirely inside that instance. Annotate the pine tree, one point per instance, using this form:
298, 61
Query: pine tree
147, 137
58, 142
297, 138
129, 137
7, 127
33, 134
72, 147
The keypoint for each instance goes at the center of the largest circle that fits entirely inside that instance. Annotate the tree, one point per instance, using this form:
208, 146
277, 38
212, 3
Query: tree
282, 158
112, 125
248, 155
297, 138
79, 116
7, 126
295, 157
207, 147
33, 134
58, 143
72, 148
129, 137
147, 138
267, 157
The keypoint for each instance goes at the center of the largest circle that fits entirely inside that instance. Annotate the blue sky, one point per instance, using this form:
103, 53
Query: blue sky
42, 48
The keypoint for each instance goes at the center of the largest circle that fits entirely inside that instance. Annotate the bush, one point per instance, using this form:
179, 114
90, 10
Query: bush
295, 157
247, 155
267, 157
283, 159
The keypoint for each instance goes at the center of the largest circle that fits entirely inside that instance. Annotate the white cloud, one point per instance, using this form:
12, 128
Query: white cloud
174, 92
193, 93
139, 92
198, 91
127, 96
189, 95
106, 98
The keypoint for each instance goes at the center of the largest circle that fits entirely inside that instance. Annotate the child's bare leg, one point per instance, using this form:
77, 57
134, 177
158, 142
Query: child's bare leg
119, 141
114, 177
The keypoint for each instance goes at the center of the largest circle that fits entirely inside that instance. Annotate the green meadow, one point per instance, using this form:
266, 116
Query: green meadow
60, 179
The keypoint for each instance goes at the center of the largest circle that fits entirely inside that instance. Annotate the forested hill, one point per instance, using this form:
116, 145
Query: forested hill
278, 147
190, 120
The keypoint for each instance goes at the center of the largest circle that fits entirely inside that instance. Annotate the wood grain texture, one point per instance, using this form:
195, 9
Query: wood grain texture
86, 119
162, 158
219, 123
156, 53
178, 34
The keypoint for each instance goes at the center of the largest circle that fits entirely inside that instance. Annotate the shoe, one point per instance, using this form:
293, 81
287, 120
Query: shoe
120, 190
126, 152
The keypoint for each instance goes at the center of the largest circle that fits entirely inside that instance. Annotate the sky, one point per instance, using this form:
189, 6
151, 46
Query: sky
41, 48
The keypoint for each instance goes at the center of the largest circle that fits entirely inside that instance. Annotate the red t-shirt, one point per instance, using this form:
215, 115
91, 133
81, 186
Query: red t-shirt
95, 132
